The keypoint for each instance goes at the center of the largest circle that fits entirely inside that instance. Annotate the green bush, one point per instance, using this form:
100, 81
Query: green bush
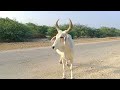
42, 31
11, 30
51, 32
34, 29
38, 31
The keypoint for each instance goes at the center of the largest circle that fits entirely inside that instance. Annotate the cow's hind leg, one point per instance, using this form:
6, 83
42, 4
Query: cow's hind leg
71, 69
63, 62
67, 63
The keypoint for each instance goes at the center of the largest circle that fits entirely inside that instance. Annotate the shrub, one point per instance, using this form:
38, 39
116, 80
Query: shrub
11, 30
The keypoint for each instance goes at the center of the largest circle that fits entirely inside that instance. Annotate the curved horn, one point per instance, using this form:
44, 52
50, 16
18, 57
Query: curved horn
56, 25
70, 26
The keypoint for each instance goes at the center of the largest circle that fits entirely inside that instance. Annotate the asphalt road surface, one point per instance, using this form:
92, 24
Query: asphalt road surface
42, 63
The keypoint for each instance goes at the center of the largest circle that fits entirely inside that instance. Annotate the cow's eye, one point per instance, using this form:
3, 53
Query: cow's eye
61, 37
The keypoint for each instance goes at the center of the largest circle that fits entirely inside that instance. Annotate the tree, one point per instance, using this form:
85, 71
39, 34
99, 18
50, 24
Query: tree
42, 31
11, 30
51, 32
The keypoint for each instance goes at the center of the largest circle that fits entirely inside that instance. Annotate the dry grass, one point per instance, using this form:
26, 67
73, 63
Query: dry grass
44, 43
89, 40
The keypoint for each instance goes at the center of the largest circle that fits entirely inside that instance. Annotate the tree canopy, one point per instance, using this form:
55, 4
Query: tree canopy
14, 31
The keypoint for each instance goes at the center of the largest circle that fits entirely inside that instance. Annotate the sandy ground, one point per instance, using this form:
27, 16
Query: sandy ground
92, 61
46, 43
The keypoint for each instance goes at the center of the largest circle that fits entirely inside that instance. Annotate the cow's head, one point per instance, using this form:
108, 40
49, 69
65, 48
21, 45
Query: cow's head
60, 39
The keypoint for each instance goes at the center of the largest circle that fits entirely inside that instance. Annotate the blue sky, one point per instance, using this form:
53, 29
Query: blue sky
90, 18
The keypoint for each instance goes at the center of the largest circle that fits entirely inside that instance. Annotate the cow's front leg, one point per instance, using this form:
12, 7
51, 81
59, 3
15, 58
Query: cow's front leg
60, 61
63, 62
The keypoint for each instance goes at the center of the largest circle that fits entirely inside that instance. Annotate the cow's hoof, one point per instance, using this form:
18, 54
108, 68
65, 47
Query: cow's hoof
72, 78
63, 78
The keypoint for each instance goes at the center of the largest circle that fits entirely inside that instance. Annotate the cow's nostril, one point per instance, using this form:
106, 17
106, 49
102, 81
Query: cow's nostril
53, 47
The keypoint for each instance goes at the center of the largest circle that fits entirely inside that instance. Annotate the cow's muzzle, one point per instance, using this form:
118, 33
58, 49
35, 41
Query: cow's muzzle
53, 47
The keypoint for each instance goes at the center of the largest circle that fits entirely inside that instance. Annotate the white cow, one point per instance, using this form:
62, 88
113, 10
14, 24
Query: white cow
63, 44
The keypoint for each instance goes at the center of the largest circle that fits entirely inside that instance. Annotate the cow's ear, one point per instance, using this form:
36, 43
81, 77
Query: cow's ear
53, 39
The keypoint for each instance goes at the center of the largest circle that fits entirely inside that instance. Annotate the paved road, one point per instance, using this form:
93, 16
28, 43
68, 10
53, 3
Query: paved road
43, 62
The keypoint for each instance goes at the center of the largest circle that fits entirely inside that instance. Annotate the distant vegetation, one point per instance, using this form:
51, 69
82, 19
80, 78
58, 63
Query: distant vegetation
13, 31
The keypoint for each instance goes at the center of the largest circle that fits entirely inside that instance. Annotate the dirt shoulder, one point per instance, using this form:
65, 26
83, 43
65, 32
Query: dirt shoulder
45, 43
